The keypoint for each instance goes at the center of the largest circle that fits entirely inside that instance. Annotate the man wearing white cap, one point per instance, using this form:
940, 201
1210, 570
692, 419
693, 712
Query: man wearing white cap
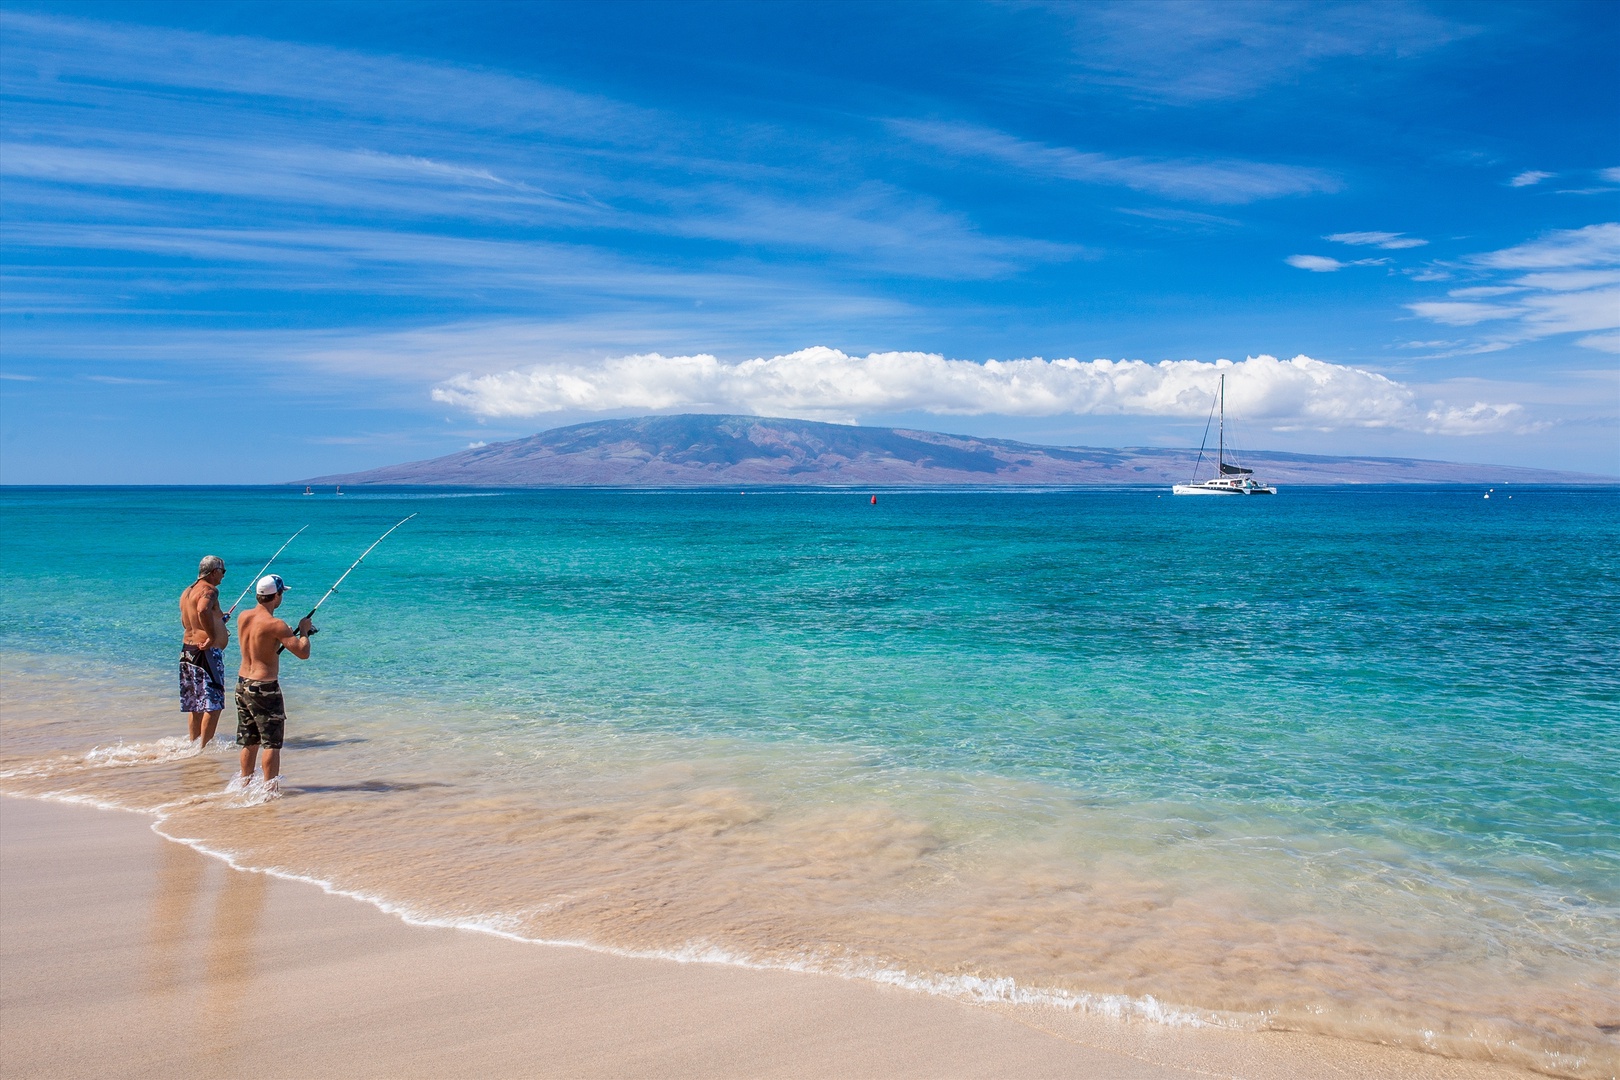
261, 716
202, 658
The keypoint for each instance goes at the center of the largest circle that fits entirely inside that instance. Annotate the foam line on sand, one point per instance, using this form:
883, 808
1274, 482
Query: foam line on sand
128, 955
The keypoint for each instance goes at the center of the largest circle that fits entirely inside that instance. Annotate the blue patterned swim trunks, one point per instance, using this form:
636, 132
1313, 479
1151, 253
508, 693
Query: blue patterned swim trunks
202, 679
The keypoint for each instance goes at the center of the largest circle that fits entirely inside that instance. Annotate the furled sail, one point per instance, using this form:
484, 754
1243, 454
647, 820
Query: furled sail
1233, 470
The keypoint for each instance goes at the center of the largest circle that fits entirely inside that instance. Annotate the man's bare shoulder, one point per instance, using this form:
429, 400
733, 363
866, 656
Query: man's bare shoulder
275, 627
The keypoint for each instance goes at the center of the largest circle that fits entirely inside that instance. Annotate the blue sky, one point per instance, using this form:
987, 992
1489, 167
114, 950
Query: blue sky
253, 242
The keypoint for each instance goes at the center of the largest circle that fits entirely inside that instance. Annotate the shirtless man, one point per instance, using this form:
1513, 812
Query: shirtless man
260, 715
202, 661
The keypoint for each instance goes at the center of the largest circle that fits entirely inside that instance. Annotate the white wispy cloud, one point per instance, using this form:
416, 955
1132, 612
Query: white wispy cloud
1463, 313
1474, 292
1323, 264
1530, 178
824, 383
403, 262
1216, 180
1567, 280
1389, 240
1574, 288
1201, 50
131, 117
882, 225
1535, 315
1610, 175
281, 171
84, 55
1178, 216
1595, 245
376, 260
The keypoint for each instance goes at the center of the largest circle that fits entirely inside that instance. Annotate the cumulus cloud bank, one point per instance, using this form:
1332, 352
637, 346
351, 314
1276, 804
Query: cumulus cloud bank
823, 383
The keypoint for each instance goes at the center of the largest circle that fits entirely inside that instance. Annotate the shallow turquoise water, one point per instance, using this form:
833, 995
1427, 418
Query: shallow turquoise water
1423, 660
1429, 678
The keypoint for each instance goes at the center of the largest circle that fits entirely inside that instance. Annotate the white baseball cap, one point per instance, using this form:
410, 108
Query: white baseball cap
270, 585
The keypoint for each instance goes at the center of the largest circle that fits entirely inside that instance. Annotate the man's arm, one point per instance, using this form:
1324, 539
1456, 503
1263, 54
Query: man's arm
295, 642
213, 618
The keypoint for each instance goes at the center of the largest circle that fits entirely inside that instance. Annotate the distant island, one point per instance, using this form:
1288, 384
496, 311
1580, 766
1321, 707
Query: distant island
706, 450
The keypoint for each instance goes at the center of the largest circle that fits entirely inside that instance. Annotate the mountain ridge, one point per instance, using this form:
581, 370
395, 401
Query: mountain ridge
718, 450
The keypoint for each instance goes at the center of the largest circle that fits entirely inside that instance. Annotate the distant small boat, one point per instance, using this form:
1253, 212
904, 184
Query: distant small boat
1228, 479
308, 490
340, 489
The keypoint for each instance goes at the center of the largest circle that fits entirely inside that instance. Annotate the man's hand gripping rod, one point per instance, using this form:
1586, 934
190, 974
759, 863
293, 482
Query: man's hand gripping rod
260, 574
346, 573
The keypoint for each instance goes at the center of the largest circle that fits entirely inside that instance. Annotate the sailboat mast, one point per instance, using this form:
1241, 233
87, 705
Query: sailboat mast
1220, 453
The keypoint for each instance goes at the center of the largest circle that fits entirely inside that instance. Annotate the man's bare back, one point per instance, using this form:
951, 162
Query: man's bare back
262, 637
201, 617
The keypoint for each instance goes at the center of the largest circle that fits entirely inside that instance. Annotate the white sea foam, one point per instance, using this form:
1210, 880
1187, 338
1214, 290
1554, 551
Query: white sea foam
246, 791
45, 768
122, 754
973, 989
76, 799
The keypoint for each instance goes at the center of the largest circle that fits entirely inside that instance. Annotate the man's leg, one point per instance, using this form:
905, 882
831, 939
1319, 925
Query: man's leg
272, 763
214, 687
250, 755
194, 728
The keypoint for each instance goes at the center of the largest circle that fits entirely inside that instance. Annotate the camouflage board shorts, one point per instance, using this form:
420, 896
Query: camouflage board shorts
261, 717
202, 679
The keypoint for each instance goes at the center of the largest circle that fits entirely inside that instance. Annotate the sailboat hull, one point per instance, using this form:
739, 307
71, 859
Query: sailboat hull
1211, 489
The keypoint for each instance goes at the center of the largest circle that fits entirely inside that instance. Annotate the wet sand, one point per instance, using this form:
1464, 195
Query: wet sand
125, 954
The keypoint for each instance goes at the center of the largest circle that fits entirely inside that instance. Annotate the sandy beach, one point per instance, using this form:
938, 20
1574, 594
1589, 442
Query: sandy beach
125, 954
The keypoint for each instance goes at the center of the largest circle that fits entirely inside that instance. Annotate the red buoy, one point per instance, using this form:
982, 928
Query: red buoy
874, 500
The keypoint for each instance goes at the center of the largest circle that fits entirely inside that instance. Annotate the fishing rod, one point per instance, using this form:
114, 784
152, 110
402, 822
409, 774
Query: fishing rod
260, 574
350, 570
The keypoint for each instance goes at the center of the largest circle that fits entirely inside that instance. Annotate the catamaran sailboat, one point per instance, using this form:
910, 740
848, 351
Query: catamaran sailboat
1228, 479
308, 490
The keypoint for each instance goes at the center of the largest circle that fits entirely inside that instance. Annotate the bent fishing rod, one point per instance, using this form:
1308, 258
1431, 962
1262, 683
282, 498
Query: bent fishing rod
346, 573
260, 574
